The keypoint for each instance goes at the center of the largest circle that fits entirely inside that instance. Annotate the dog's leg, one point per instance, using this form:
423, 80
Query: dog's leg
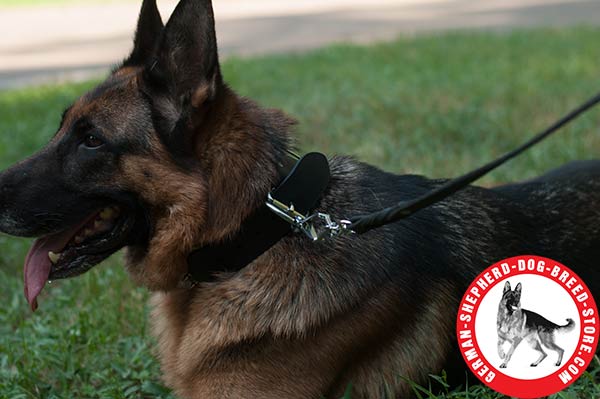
501, 352
535, 343
514, 345
548, 341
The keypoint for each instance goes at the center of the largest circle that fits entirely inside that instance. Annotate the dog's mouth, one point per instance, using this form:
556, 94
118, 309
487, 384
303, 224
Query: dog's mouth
75, 250
511, 308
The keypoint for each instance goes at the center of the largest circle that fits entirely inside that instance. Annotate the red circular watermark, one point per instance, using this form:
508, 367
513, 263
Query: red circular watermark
522, 325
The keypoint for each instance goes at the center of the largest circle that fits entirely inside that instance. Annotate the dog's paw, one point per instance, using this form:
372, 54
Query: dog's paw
557, 364
534, 364
503, 366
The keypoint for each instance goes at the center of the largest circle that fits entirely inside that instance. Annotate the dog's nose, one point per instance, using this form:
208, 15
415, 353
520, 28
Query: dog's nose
8, 220
6, 187
9, 181
11, 199
30, 195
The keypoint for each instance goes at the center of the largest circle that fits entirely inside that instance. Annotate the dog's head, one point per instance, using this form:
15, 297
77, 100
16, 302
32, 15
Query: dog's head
132, 160
511, 299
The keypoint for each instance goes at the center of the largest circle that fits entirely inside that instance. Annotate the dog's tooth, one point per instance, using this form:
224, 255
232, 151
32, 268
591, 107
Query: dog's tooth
53, 257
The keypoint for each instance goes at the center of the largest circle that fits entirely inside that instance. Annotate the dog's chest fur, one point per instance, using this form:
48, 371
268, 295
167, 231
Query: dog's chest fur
230, 350
510, 325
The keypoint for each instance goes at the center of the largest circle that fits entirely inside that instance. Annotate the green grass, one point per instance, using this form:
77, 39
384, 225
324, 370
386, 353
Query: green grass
436, 105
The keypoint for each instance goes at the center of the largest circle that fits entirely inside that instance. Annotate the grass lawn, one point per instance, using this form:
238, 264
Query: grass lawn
435, 105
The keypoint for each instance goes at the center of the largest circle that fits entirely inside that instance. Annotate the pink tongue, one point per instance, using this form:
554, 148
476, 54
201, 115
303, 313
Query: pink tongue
37, 263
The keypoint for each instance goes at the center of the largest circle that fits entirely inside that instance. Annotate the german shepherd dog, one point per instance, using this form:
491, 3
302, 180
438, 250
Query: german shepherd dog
516, 324
163, 158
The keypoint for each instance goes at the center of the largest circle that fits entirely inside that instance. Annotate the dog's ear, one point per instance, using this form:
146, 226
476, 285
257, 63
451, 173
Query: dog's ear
506, 287
187, 63
518, 290
147, 34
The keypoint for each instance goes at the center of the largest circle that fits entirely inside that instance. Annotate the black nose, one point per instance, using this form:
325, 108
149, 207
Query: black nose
7, 186
9, 220
14, 199
10, 181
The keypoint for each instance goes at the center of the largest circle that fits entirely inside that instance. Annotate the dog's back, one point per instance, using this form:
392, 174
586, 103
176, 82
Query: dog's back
536, 322
562, 209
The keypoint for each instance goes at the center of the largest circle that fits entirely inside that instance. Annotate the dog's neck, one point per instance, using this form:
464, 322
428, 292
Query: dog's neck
505, 311
257, 139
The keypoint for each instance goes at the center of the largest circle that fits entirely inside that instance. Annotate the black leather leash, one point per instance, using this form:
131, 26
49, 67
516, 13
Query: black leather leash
362, 224
288, 208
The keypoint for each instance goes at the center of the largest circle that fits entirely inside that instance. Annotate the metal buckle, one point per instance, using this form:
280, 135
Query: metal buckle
308, 224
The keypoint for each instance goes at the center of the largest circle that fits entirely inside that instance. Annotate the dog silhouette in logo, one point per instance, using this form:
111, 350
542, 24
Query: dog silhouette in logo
516, 324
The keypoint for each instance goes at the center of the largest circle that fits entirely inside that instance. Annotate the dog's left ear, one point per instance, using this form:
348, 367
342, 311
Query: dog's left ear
187, 62
518, 289
147, 33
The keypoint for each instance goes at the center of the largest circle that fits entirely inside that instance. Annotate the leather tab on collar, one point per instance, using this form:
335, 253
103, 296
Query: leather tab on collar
302, 185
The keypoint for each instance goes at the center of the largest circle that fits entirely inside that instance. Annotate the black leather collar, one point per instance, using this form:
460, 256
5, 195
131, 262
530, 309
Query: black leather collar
302, 185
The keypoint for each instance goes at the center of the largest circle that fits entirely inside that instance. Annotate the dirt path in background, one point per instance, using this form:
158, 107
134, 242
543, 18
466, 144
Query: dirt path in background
74, 42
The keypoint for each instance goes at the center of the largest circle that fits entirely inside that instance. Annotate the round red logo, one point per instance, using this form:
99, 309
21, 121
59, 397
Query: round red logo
528, 326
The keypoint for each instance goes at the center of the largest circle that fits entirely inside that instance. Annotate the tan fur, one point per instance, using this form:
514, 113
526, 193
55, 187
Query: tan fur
178, 205
190, 208
199, 329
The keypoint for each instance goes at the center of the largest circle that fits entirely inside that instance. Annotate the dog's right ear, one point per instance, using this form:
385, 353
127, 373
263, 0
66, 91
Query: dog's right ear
518, 289
506, 287
147, 33
187, 62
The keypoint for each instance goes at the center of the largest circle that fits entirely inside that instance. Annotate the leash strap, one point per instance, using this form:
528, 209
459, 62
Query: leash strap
303, 183
364, 223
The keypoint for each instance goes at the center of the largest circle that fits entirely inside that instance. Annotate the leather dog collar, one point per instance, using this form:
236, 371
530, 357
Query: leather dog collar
302, 185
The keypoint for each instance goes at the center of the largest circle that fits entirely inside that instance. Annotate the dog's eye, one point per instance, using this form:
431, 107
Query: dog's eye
91, 141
